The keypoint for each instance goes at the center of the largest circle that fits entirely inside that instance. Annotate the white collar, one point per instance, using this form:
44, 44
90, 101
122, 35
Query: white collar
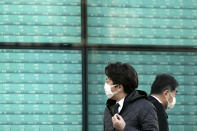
121, 102
156, 98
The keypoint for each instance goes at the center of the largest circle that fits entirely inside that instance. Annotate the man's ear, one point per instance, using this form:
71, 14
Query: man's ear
120, 87
165, 92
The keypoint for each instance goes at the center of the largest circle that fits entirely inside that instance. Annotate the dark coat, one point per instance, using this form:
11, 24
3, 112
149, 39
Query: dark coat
138, 113
161, 114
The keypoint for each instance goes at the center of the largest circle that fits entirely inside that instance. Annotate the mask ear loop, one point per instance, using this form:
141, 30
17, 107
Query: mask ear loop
170, 94
115, 85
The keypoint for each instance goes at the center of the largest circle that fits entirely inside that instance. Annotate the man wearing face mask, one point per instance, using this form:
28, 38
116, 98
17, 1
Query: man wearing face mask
163, 92
127, 109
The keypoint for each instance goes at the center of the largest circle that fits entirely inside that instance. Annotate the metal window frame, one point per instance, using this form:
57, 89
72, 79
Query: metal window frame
84, 65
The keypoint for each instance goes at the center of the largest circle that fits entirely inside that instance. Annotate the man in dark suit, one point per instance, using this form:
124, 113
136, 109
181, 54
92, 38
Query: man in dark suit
127, 109
162, 95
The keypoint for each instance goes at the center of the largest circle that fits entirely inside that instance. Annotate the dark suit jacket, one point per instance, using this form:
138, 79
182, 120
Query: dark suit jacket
138, 113
161, 114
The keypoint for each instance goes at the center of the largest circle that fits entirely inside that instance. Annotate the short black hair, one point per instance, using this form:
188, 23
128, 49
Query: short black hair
163, 82
122, 74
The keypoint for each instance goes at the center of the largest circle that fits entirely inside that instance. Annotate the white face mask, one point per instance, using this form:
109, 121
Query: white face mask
108, 91
171, 104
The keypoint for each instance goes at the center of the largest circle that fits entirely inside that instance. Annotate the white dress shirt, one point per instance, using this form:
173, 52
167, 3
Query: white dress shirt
156, 98
121, 102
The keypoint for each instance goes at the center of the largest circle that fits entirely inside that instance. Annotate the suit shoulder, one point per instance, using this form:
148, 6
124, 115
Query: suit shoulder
144, 103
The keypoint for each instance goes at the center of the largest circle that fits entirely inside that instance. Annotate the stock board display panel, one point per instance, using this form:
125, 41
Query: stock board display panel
40, 90
40, 21
182, 65
153, 22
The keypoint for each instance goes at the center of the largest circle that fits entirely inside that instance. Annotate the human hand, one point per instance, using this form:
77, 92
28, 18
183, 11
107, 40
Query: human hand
118, 122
